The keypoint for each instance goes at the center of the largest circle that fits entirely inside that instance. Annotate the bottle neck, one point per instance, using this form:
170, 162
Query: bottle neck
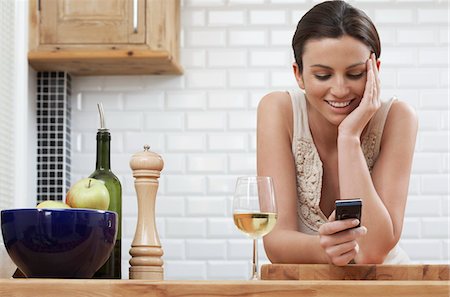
103, 151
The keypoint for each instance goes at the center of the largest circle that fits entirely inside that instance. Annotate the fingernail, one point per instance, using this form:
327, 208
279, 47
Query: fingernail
363, 230
355, 222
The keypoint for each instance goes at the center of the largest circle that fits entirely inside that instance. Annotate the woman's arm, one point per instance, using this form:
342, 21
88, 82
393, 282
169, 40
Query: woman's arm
384, 193
274, 158
285, 244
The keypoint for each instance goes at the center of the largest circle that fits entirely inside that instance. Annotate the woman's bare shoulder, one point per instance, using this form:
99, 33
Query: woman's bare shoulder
279, 102
401, 121
401, 113
275, 110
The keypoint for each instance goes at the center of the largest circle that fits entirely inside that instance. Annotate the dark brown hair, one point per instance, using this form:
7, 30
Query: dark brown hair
333, 19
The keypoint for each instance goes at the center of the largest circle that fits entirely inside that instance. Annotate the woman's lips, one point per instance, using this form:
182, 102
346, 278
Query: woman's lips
339, 104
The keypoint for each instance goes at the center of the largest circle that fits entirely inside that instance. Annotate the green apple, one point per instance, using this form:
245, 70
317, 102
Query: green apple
52, 204
88, 193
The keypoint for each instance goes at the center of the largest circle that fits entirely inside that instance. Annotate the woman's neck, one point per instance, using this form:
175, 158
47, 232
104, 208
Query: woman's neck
323, 132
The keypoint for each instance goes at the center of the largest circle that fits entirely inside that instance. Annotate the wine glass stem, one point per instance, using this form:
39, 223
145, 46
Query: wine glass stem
255, 260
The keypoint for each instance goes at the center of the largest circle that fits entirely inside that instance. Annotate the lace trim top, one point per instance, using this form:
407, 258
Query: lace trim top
309, 167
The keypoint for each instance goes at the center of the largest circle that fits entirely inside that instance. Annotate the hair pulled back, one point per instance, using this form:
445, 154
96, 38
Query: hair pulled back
333, 19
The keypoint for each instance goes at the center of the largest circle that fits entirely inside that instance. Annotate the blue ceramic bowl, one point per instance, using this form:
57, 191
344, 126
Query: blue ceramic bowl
59, 243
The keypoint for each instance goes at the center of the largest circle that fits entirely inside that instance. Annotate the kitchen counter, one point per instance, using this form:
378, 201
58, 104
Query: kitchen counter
137, 288
379, 272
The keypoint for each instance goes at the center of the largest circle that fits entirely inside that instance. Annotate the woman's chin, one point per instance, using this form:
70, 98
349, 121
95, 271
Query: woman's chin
336, 119
336, 115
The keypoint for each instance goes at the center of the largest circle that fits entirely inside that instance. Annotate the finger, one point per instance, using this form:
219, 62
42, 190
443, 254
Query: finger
344, 259
349, 234
373, 87
368, 92
337, 226
342, 237
375, 83
376, 71
340, 249
376, 80
332, 216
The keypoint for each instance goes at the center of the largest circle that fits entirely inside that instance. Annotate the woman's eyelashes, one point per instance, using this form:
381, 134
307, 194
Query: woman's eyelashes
352, 76
355, 76
322, 76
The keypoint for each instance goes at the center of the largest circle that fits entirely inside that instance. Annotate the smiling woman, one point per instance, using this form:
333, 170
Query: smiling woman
338, 82
333, 138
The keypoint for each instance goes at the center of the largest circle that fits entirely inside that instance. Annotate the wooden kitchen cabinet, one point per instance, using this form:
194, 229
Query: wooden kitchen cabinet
105, 37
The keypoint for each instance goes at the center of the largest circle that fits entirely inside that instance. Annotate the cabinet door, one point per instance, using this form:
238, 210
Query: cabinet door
92, 21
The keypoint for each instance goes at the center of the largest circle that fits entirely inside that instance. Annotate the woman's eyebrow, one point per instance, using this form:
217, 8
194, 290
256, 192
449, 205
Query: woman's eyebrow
328, 67
321, 66
356, 64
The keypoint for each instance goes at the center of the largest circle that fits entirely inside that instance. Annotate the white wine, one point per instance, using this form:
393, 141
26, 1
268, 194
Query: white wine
255, 224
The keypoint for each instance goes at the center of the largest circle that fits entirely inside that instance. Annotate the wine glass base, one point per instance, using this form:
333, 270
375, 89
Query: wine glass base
255, 277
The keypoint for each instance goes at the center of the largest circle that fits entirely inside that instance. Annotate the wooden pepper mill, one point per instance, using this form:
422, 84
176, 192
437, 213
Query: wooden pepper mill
146, 251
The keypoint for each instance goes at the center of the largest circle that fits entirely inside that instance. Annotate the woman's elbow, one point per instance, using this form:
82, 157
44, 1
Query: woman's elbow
375, 256
272, 249
372, 258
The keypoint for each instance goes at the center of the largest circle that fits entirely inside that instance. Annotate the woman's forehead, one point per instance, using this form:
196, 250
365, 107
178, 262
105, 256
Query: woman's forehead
345, 49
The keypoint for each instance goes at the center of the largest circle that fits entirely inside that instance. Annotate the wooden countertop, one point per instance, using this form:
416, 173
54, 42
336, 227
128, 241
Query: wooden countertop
417, 272
264, 288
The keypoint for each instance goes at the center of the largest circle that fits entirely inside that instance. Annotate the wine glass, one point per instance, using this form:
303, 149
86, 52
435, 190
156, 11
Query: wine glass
254, 210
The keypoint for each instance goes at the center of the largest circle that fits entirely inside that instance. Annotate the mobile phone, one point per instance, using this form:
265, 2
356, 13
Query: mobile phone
349, 209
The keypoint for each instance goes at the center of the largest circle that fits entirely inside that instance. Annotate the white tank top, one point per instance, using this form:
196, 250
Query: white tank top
309, 169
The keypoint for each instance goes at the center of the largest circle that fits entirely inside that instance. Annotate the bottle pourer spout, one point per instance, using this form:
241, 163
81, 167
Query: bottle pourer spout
102, 116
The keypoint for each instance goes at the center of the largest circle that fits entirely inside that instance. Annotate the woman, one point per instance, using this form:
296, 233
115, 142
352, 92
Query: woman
334, 139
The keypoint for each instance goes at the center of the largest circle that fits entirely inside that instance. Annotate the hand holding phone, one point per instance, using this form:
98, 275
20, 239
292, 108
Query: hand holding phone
339, 239
349, 209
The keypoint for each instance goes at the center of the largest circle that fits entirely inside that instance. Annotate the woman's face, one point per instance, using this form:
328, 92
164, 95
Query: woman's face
334, 76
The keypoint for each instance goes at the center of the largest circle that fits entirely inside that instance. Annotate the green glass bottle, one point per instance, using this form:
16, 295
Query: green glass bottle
112, 268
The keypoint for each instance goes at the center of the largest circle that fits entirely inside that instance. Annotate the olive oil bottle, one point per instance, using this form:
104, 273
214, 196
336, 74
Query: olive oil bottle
112, 268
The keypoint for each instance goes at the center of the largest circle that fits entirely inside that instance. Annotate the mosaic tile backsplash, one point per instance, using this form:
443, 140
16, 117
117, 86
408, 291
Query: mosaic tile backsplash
53, 140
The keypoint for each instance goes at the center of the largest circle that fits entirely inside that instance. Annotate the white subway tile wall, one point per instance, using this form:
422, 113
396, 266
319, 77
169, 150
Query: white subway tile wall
203, 124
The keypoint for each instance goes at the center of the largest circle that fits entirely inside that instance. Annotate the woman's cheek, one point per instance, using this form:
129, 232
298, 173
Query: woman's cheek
360, 87
316, 88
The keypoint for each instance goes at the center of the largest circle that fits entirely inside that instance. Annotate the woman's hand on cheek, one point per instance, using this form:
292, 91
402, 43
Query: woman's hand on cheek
354, 123
338, 239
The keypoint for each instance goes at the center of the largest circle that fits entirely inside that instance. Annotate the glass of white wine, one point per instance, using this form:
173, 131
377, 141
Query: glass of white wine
254, 210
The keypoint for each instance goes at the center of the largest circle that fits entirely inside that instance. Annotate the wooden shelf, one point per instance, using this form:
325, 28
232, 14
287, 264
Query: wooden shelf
105, 62
137, 288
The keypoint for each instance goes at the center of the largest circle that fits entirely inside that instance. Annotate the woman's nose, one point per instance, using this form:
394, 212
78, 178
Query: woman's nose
339, 89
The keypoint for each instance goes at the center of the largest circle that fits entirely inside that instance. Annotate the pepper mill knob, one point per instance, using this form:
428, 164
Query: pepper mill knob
146, 251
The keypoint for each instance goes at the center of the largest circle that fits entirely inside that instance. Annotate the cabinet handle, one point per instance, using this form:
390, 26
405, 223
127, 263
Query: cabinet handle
135, 16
